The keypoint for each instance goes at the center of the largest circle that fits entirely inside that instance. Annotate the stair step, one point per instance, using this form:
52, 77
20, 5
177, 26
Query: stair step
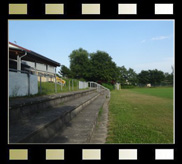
19, 108
39, 127
80, 129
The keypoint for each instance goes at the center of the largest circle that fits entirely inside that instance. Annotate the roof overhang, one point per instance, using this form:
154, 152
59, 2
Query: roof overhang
32, 56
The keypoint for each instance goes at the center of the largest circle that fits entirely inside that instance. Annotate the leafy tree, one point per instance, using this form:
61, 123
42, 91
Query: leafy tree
127, 76
132, 76
168, 79
154, 77
79, 63
123, 75
65, 71
103, 69
144, 77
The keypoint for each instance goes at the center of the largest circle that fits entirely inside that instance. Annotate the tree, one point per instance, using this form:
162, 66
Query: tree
154, 77
168, 79
65, 71
128, 76
102, 68
132, 76
79, 63
123, 75
143, 77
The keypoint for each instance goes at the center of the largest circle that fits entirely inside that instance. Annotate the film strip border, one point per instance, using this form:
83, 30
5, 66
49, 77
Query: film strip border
89, 9
93, 9
90, 154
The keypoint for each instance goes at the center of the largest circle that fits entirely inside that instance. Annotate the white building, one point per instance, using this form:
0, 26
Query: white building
26, 68
27, 60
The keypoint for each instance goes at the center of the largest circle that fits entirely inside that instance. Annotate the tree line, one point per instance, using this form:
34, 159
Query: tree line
99, 67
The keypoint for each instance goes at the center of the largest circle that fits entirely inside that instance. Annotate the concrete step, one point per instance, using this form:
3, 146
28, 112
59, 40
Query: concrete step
40, 127
20, 108
80, 129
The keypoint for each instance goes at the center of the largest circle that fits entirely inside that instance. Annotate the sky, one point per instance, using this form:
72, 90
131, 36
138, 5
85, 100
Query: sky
136, 44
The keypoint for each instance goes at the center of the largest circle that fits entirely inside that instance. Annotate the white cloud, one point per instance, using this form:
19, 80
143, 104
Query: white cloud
161, 38
156, 38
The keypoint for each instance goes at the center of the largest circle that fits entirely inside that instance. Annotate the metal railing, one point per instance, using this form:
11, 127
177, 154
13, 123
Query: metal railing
99, 87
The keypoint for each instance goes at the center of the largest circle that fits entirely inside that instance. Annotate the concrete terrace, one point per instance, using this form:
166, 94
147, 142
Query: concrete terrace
59, 118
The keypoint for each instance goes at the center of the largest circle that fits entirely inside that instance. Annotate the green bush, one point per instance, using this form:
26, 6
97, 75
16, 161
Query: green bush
109, 86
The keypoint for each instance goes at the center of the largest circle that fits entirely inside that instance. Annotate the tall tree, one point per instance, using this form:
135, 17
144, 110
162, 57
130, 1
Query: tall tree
123, 75
103, 68
132, 76
143, 77
128, 76
156, 77
79, 63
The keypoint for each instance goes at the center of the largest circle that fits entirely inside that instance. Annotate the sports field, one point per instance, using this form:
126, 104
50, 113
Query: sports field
141, 115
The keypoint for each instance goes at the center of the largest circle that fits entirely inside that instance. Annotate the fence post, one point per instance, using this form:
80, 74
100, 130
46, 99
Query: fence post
28, 74
72, 84
69, 85
55, 85
40, 85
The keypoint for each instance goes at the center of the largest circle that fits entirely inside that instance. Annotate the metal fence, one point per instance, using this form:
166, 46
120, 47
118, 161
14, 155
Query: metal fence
99, 87
36, 82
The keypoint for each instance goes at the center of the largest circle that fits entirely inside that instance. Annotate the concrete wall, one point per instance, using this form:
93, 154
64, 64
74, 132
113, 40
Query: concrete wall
83, 85
18, 84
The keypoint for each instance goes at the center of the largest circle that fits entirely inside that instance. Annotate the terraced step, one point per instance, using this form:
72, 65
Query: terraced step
80, 128
19, 108
40, 127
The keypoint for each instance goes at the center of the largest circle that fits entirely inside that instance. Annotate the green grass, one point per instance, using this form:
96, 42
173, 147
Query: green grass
143, 115
164, 92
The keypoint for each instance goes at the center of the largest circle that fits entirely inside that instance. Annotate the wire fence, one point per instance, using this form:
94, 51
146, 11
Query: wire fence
32, 82
54, 86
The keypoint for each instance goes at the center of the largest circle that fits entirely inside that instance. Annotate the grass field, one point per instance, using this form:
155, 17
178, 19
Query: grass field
141, 115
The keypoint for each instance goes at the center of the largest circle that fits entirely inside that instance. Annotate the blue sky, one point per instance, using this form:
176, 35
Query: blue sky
137, 44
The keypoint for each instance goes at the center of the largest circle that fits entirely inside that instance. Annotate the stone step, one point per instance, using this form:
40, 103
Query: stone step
80, 129
40, 127
19, 108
